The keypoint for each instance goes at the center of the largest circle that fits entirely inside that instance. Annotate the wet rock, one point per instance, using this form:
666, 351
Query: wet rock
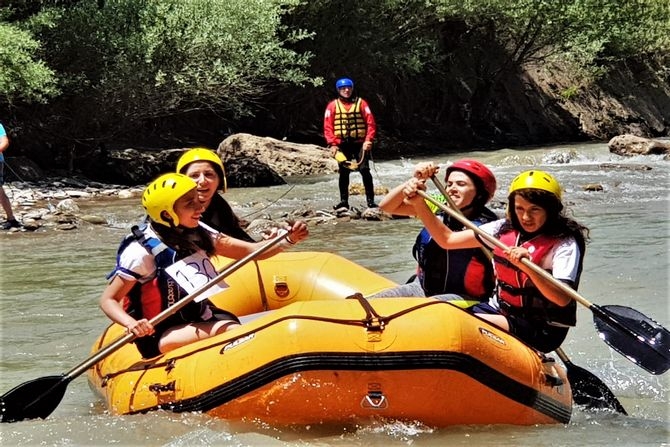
592, 187
357, 189
95, 220
375, 214
257, 227
245, 172
66, 226
31, 225
619, 166
126, 194
630, 145
36, 214
559, 157
67, 206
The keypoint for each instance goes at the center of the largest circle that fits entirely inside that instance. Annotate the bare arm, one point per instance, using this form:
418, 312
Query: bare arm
237, 249
110, 303
394, 201
4, 143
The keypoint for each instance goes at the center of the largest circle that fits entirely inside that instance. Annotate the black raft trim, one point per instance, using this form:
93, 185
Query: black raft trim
415, 360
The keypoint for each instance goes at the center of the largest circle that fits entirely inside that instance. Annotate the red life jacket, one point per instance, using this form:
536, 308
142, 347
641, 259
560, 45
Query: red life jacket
149, 299
517, 295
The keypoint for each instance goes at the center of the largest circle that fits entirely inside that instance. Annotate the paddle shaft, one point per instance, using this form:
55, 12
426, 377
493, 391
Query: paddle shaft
121, 341
527, 262
646, 352
579, 376
559, 351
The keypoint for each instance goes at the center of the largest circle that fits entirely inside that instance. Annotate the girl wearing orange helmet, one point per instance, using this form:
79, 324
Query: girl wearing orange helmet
536, 227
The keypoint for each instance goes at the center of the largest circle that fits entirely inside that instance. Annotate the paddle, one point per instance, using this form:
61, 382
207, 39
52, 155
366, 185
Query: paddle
587, 389
634, 335
38, 398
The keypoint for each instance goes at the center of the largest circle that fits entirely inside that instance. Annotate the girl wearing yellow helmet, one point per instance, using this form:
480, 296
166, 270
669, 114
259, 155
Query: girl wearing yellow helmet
536, 228
144, 282
206, 168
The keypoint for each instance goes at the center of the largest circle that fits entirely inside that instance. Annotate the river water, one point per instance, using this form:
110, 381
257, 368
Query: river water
50, 283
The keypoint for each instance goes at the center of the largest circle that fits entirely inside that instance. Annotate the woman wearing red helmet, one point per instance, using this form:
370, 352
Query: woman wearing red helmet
463, 273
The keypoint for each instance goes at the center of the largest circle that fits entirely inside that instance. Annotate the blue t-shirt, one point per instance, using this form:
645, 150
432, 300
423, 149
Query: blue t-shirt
2, 134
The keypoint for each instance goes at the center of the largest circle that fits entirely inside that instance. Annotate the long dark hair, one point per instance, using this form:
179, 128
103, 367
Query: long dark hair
185, 241
558, 224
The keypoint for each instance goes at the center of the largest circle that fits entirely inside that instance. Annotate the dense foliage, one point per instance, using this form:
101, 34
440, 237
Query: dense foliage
83, 73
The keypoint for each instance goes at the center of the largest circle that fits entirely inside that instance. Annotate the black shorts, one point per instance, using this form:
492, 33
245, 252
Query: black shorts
535, 333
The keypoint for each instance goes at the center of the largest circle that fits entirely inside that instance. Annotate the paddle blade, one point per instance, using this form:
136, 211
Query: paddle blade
589, 391
639, 338
34, 399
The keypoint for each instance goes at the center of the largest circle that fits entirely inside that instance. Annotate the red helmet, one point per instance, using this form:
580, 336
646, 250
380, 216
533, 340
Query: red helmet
479, 170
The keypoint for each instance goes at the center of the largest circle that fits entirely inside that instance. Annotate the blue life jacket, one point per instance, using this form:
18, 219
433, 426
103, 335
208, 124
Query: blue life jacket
466, 272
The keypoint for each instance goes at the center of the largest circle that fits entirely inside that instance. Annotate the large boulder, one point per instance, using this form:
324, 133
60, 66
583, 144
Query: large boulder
630, 145
249, 161
130, 166
284, 157
22, 169
242, 172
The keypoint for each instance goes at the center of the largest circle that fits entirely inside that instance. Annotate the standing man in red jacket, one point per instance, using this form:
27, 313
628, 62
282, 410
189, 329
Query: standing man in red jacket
349, 128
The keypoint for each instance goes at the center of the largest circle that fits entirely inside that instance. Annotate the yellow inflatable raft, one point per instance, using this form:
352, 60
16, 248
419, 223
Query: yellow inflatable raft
311, 356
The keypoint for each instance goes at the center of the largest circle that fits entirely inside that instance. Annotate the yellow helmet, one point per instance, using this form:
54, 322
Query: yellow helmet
203, 154
162, 193
536, 180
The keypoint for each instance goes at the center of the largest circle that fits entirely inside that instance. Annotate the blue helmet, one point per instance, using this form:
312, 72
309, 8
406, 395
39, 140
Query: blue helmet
344, 82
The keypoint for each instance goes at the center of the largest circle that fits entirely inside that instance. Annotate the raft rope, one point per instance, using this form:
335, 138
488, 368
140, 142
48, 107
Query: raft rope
372, 321
16, 174
269, 204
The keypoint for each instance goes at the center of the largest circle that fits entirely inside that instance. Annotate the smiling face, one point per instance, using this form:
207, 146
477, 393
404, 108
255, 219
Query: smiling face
530, 216
345, 92
188, 209
461, 189
206, 177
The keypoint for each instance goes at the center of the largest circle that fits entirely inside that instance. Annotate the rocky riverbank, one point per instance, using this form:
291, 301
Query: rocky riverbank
53, 204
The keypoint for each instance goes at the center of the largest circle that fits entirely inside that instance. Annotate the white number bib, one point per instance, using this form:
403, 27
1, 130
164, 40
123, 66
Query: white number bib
193, 272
